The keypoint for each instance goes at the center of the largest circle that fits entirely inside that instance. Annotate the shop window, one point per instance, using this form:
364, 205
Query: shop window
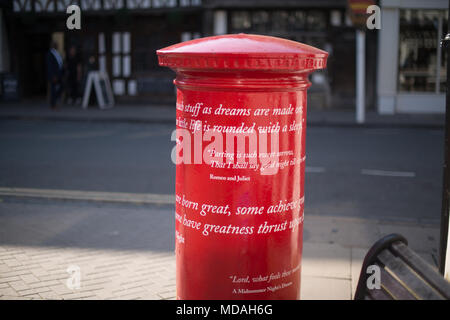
422, 63
121, 61
144, 44
89, 51
261, 21
280, 21
142, 60
335, 18
101, 52
316, 20
241, 20
297, 20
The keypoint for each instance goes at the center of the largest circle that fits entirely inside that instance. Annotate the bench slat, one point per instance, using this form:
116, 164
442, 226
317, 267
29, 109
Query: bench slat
393, 287
378, 294
422, 268
406, 275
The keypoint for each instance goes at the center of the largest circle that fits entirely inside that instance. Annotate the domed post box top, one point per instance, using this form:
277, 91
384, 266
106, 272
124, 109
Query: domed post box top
243, 52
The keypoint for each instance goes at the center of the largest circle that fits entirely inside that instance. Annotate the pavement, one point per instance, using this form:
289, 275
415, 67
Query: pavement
119, 257
166, 114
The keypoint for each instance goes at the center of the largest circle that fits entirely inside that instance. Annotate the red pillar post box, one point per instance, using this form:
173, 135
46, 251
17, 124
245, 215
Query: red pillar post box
240, 163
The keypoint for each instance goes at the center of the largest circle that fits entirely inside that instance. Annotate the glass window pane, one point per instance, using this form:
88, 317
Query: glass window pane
418, 50
297, 20
280, 21
316, 20
443, 72
261, 21
240, 20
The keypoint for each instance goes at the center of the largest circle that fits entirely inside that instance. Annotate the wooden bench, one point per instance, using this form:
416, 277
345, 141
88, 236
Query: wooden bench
403, 275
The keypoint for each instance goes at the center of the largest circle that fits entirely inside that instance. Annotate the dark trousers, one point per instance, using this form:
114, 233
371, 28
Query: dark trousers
55, 92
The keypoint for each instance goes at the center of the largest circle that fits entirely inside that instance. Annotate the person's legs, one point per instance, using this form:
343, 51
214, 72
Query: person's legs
60, 90
53, 95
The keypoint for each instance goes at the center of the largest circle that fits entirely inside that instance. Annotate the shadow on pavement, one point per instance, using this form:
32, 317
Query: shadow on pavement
25, 222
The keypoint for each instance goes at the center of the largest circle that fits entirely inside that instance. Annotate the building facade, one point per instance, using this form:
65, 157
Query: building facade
411, 74
123, 35
321, 23
119, 37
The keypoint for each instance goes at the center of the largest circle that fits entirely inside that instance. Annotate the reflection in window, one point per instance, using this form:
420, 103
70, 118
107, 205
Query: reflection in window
88, 47
422, 64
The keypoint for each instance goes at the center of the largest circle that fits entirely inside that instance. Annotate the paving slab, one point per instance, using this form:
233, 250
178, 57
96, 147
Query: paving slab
350, 232
422, 239
37, 267
358, 255
326, 261
316, 288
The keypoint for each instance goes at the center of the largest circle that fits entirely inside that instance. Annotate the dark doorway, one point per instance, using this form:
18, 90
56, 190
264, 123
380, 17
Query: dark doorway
33, 64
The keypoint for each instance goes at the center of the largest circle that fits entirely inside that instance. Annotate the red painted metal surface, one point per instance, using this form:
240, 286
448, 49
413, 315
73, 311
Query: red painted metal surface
240, 160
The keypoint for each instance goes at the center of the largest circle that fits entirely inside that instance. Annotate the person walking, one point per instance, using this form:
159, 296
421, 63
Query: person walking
54, 74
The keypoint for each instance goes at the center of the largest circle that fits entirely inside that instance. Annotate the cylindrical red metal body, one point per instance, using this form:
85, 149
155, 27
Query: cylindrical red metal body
240, 162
